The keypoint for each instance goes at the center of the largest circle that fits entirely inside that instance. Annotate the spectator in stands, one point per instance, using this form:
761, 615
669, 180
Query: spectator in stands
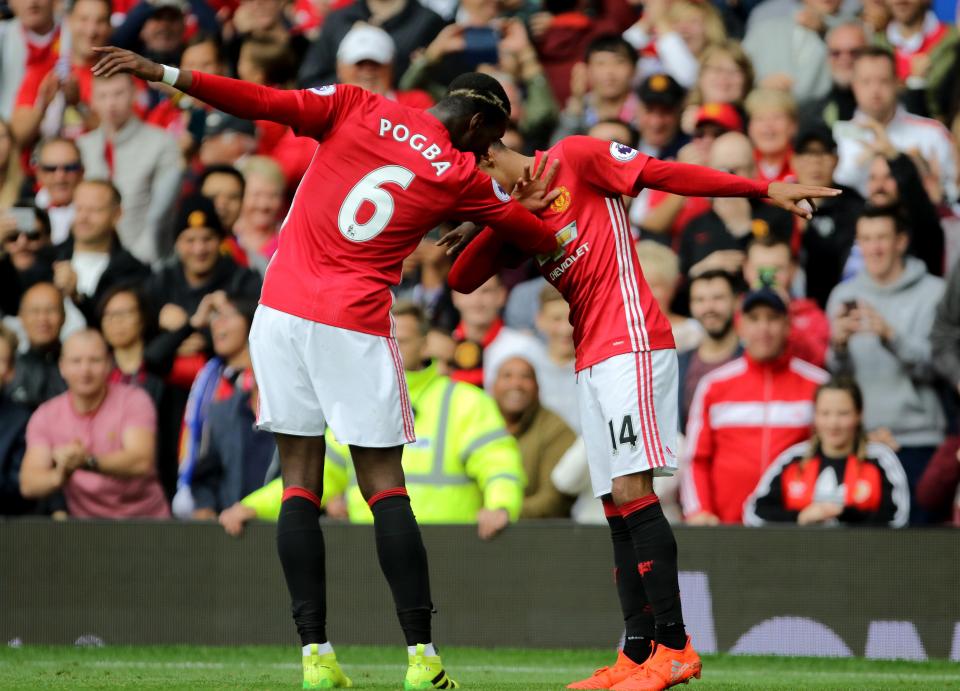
555, 363
157, 29
789, 53
27, 39
895, 180
226, 140
92, 260
615, 131
725, 76
55, 95
771, 262
713, 303
672, 37
745, 414
661, 269
843, 41
144, 162
875, 90
24, 256
11, 173
882, 320
658, 117
479, 328
925, 50
945, 334
59, 171
182, 116
366, 57
36, 375
264, 20
773, 125
260, 211
228, 318
718, 238
198, 270
140, 358
13, 426
466, 468
542, 435
838, 476
410, 25
600, 87
96, 442
828, 237
224, 186
424, 283
237, 459
938, 492
127, 325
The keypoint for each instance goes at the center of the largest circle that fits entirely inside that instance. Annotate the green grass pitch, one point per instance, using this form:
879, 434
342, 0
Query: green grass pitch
189, 667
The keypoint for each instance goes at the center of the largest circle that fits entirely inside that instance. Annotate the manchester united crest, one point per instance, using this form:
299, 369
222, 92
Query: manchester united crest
562, 202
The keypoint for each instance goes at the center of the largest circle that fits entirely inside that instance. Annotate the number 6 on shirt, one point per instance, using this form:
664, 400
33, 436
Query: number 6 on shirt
369, 189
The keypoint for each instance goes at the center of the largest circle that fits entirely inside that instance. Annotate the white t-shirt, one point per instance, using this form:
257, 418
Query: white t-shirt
89, 267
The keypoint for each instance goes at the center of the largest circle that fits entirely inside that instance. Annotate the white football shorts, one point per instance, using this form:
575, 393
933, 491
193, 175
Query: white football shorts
628, 416
312, 375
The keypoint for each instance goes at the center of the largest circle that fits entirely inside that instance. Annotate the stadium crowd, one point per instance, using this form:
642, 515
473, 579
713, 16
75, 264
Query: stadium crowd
819, 360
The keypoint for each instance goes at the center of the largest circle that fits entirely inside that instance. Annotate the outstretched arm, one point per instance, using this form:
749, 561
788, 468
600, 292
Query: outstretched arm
308, 112
692, 180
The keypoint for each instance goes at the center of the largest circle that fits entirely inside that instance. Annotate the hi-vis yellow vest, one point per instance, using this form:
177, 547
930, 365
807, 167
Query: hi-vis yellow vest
463, 460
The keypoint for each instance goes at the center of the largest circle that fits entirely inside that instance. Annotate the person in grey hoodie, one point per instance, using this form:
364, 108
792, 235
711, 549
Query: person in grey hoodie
880, 333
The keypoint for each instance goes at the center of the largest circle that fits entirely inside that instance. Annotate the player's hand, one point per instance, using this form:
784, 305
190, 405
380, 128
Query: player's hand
457, 239
788, 196
113, 60
491, 522
235, 518
819, 512
703, 518
532, 190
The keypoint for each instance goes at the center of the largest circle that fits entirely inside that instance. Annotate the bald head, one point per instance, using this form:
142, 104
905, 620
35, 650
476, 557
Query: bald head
41, 313
85, 364
733, 152
85, 340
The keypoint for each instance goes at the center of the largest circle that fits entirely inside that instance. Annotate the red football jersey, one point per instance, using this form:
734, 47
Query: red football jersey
382, 176
611, 308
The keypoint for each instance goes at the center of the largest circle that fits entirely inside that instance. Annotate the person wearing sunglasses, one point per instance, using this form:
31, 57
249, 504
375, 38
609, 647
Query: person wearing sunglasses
844, 41
24, 244
59, 171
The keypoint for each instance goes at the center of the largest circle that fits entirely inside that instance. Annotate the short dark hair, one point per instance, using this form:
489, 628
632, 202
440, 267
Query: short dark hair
222, 170
876, 52
611, 43
769, 240
148, 318
245, 304
274, 57
475, 92
201, 37
408, 308
892, 211
633, 136
715, 275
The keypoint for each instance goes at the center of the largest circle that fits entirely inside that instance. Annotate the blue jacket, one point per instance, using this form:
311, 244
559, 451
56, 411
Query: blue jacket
13, 444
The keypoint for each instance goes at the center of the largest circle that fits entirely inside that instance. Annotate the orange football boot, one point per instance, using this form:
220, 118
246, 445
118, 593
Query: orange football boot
665, 668
605, 677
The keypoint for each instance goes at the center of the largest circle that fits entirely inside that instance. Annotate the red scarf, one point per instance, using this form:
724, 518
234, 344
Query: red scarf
862, 481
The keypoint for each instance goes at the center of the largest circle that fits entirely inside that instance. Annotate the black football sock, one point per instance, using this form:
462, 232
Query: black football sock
637, 613
301, 549
656, 553
403, 560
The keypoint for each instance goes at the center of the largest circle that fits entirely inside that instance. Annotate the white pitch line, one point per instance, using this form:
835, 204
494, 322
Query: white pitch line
509, 669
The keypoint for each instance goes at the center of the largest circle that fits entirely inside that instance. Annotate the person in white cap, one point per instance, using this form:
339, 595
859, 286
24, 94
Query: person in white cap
365, 58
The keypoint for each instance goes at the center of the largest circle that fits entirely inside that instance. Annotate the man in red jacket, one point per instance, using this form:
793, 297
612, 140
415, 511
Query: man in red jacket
746, 413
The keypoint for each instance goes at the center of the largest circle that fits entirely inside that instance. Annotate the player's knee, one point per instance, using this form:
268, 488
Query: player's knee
628, 488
